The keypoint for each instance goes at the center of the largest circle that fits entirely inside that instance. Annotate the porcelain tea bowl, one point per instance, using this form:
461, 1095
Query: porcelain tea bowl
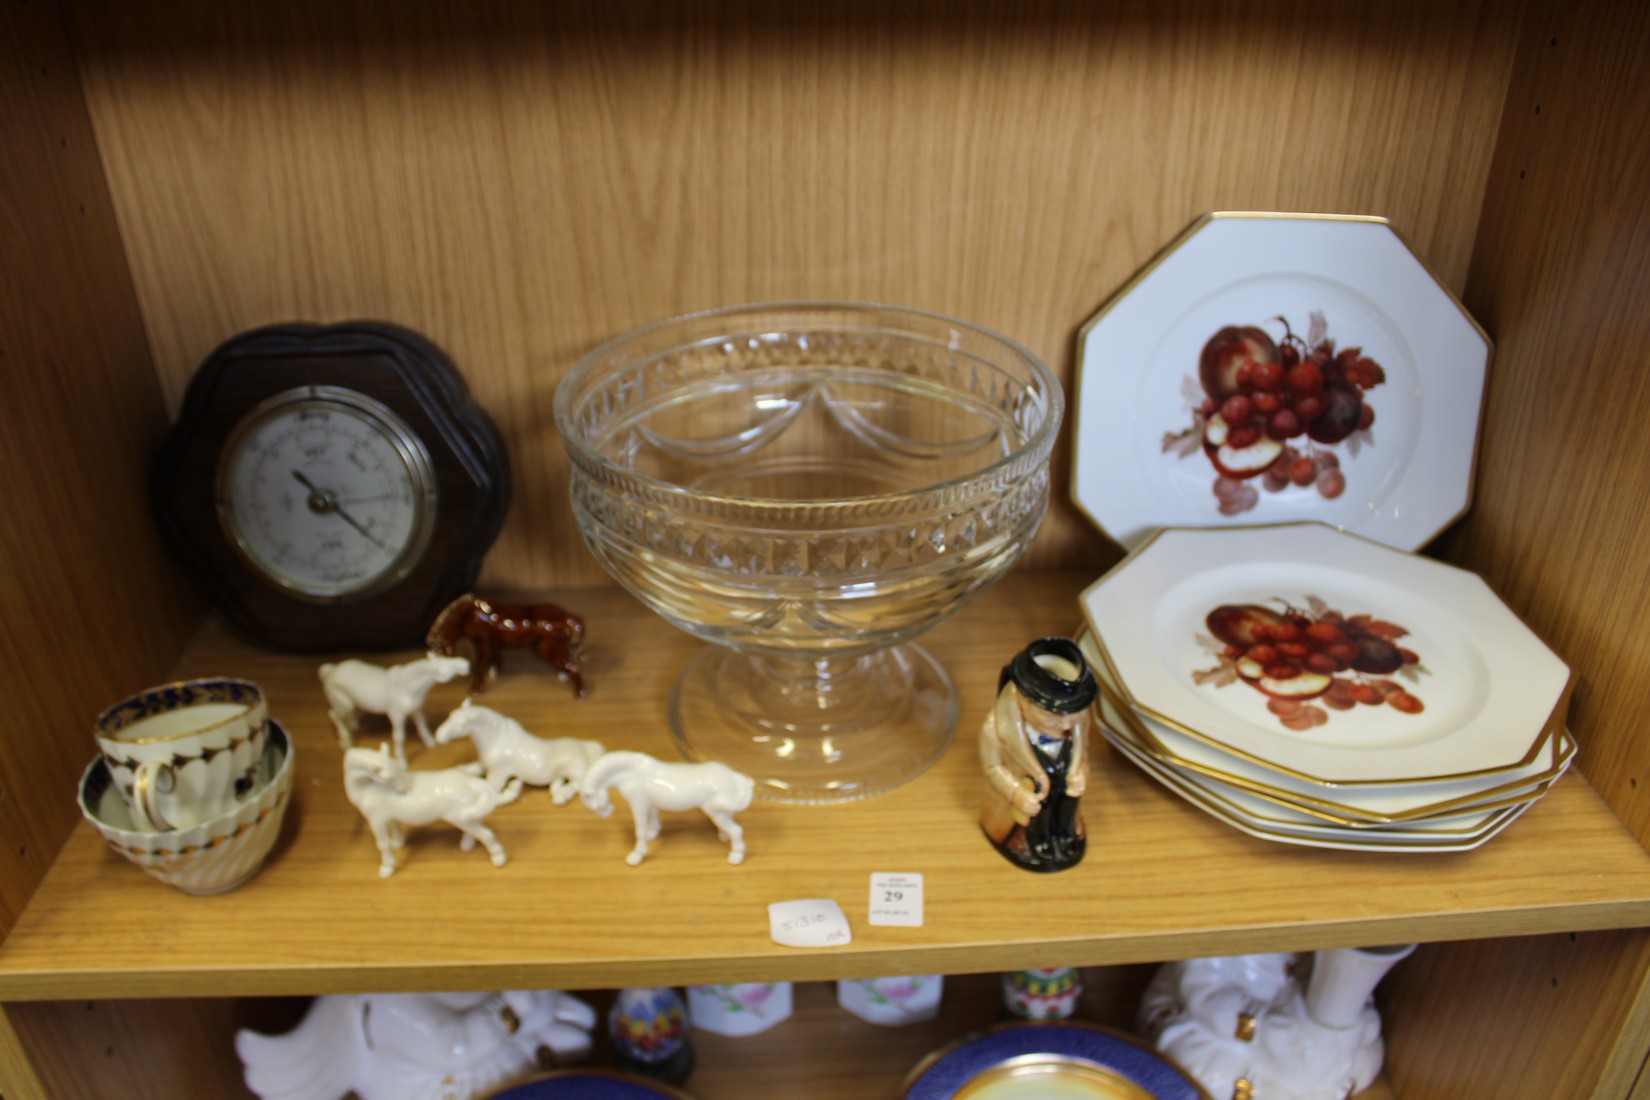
213, 857
809, 487
184, 753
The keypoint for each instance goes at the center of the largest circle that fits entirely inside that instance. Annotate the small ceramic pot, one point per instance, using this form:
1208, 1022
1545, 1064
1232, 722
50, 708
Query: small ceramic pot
1050, 994
649, 1029
738, 1009
892, 1002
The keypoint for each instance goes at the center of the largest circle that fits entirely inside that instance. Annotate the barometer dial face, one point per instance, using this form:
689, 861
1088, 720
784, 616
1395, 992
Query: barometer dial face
326, 493
330, 487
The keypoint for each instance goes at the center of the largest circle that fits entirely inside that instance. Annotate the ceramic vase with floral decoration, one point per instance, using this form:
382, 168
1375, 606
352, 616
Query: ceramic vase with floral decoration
1047, 994
892, 1002
650, 1033
738, 1008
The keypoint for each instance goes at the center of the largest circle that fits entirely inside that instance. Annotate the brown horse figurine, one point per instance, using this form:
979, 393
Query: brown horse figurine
554, 634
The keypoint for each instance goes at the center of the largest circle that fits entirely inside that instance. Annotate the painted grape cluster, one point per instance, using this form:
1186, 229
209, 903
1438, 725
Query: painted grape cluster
1274, 409
1307, 659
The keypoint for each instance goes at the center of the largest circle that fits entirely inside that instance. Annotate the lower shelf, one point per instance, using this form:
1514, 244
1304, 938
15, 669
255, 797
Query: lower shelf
848, 1059
88, 1050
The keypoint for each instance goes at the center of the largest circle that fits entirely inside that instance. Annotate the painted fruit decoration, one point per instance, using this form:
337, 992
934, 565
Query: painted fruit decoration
1305, 660
1275, 409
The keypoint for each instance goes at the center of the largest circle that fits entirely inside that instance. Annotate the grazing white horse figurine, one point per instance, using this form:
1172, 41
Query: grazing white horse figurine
354, 688
414, 1046
649, 785
508, 751
389, 796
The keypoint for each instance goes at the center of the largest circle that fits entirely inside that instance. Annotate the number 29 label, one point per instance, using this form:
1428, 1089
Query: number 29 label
896, 899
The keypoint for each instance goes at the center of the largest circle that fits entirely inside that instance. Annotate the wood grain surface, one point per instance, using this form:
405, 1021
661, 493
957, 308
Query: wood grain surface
1562, 524
1561, 275
1161, 880
1535, 1016
92, 606
522, 181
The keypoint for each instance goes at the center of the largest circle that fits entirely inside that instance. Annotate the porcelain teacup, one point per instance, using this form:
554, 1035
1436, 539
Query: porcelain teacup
213, 856
186, 752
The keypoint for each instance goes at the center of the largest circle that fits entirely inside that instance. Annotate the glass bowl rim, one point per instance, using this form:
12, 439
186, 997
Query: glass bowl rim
581, 454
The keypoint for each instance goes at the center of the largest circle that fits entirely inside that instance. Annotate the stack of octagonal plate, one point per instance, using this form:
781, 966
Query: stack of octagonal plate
1313, 687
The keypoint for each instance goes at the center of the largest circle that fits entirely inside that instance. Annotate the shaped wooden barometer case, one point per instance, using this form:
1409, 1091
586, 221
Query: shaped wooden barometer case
331, 486
1034, 753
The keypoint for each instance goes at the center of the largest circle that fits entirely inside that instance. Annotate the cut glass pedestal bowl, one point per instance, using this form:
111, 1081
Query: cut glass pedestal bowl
809, 487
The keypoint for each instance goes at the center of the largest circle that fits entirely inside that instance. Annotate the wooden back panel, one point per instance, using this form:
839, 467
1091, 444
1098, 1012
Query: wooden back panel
1561, 275
523, 181
93, 608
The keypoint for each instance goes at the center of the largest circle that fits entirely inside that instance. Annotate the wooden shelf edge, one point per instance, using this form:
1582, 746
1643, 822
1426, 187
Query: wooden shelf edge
308, 980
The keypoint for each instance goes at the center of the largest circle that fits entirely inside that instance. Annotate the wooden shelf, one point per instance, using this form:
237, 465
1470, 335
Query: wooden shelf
821, 1052
824, 1053
1161, 880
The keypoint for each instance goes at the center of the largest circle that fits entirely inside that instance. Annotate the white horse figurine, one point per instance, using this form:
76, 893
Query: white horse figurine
651, 785
390, 797
508, 751
356, 687
414, 1046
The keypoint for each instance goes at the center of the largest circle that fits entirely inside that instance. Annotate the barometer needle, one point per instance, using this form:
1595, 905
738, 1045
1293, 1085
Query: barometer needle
322, 501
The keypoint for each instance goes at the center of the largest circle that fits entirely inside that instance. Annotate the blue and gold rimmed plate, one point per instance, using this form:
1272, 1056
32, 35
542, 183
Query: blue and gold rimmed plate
1065, 1060
588, 1084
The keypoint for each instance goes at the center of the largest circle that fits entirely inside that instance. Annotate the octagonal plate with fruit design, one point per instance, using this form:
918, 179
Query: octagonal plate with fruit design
1261, 819
1325, 655
1269, 368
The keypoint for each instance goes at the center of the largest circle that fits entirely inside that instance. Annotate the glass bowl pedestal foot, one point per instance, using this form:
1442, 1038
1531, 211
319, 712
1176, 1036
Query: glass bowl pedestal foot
816, 729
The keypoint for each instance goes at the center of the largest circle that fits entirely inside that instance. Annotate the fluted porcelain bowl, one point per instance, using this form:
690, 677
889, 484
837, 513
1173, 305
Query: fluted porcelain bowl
213, 857
810, 486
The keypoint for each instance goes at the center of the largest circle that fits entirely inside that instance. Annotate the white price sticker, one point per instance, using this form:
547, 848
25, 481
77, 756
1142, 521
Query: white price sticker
896, 899
812, 922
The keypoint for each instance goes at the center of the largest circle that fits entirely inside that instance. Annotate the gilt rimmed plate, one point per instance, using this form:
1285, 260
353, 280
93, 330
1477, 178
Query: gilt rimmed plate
587, 1084
1264, 822
1054, 1060
1466, 688
1383, 804
1356, 811
1451, 829
1145, 454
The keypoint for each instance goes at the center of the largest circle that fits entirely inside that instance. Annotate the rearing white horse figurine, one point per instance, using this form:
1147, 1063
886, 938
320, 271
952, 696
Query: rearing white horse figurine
508, 751
354, 688
390, 797
650, 785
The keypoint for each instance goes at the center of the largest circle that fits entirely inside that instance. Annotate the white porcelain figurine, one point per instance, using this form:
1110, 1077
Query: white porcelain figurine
1249, 1025
649, 785
354, 688
415, 1046
508, 751
390, 797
